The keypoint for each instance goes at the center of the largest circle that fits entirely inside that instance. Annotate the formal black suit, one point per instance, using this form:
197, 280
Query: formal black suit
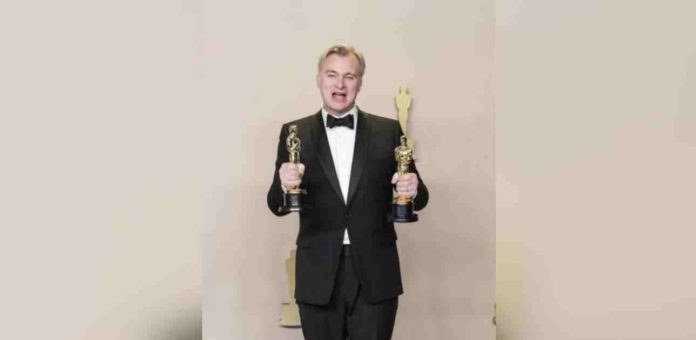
365, 213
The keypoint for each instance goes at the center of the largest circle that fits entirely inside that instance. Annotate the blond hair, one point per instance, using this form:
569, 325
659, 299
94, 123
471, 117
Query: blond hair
343, 50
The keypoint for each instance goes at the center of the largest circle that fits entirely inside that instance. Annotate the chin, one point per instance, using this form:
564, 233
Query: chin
341, 109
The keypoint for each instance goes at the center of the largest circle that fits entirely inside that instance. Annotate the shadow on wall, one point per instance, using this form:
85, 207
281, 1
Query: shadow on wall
165, 323
189, 327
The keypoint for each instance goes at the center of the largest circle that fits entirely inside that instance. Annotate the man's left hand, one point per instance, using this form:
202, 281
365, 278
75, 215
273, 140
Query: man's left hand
406, 184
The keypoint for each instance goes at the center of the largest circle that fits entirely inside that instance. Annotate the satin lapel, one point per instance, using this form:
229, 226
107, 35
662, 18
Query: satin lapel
324, 153
362, 142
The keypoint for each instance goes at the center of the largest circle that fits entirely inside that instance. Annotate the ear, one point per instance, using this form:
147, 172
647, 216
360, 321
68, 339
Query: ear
318, 79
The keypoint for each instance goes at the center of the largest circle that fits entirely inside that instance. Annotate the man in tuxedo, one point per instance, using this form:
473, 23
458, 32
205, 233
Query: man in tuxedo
347, 271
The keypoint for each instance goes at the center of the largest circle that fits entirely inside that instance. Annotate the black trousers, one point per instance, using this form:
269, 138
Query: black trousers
348, 315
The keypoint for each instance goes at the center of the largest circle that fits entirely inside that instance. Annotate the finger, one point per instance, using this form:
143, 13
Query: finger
301, 168
285, 175
285, 168
290, 167
406, 186
289, 182
410, 178
395, 178
287, 171
400, 187
414, 182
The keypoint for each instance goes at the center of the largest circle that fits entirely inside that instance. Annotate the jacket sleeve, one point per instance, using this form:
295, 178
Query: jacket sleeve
421, 199
275, 192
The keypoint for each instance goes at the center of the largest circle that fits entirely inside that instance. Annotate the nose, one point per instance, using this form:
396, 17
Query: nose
340, 83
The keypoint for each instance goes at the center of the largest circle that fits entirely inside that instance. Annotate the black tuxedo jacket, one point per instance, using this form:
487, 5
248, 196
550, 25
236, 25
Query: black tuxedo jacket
365, 213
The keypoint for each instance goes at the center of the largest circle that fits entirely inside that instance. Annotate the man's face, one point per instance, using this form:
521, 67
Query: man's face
339, 83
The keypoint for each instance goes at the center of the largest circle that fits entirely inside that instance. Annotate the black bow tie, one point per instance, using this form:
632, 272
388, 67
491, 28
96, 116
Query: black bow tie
346, 121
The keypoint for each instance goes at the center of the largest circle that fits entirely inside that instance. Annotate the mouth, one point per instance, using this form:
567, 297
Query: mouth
341, 96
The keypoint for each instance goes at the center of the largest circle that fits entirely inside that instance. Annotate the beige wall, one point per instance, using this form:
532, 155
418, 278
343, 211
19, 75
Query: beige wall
259, 63
596, 151
101, 179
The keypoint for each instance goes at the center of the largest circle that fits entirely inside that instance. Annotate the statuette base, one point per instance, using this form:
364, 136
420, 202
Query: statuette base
403, 213
293, 201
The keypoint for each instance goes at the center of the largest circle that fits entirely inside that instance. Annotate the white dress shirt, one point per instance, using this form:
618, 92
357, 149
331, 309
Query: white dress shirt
342, 144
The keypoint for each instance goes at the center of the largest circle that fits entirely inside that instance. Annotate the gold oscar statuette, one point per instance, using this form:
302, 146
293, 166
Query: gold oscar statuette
402, 206
293, 197
289, 311
403, 105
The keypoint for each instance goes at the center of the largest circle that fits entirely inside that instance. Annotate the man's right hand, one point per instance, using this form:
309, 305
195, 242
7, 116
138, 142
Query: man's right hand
291, 174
